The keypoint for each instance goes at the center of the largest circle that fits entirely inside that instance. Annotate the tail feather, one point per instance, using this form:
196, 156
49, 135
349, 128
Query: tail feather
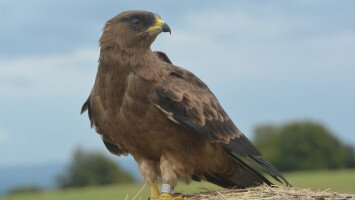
243, 148
243, 177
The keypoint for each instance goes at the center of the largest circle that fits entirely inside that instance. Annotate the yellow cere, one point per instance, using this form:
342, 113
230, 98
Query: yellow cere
156, 25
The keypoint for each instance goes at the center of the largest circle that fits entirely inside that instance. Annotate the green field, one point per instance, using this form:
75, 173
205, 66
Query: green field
340, 181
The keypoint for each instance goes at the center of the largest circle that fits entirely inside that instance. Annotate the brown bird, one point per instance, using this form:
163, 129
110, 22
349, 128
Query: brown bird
163, 115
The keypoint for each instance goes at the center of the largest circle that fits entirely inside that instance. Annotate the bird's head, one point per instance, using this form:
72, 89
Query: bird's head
132, 30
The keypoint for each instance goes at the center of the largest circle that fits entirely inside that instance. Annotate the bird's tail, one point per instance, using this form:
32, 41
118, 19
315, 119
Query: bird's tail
243, 176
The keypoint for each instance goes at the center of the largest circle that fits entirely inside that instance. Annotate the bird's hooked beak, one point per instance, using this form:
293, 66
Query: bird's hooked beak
159, 26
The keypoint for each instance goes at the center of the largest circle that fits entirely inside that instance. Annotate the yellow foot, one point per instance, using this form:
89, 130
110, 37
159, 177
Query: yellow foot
165, 196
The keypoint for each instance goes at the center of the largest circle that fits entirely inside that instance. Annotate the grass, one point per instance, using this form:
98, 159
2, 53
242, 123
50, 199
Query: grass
116, 192
340, 181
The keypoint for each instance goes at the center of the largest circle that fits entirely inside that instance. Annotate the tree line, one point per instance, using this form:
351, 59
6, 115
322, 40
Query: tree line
303, 146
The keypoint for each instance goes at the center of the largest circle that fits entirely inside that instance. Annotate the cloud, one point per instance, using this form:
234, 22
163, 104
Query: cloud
252, 45
241, 23
48, 75
4, 135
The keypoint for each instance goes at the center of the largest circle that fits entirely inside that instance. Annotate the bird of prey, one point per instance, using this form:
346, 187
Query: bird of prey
164, 116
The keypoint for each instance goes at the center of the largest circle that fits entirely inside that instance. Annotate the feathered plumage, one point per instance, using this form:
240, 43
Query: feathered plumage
163, 115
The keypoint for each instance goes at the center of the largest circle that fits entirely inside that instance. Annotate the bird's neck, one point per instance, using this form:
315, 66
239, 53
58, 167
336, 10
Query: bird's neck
115, 62
116, 57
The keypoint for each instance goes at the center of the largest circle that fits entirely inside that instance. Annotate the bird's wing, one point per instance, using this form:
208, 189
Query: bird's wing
187, 101
191, 104
162, 56
114, 149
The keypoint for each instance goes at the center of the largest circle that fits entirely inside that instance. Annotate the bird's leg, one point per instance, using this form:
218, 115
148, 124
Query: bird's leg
154, 191
167, 192
148, 170
169, 179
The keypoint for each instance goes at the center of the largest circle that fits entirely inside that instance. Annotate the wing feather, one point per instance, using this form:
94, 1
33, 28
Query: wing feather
190, 103
194, 106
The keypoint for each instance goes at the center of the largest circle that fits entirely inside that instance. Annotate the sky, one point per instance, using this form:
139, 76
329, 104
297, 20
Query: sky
266, 61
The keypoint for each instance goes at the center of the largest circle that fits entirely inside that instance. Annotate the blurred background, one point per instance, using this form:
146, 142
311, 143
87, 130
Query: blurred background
283, 70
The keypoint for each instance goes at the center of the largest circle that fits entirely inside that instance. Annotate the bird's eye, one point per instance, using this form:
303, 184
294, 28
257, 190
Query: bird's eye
136, 22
